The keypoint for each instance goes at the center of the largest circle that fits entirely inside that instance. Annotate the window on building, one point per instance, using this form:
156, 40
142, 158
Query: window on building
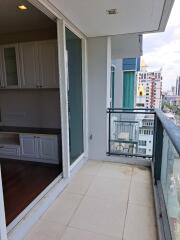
140, 104
142, 151
128, 89
142, 143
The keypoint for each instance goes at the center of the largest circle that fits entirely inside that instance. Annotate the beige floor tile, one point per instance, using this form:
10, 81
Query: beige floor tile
91, 167
80, 183
140, 223
94, 206
45, 230
115, 170
141, 174
77, 234
63, 208
141, 193
110, 187
100, 215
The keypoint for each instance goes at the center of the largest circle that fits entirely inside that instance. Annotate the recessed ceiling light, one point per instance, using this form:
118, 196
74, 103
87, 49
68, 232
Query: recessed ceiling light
22, 7
112, 11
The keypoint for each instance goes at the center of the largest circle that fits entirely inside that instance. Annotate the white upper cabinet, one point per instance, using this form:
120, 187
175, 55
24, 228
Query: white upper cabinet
48, 64
11, 70
29, 65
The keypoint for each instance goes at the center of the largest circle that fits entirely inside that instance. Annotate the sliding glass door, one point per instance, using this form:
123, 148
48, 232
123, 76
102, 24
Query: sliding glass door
75, 94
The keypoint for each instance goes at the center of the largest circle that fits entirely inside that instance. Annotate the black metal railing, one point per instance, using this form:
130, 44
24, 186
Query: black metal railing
165, 158
131, 132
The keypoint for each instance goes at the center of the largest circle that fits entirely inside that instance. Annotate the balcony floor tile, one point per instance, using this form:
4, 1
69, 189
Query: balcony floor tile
104, 201
77, 234
140, 223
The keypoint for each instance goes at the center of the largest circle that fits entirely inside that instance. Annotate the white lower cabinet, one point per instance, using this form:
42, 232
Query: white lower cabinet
10, 151
28, 146
40, 148
48, 148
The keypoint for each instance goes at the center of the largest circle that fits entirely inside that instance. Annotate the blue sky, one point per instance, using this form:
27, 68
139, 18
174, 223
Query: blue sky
163, 49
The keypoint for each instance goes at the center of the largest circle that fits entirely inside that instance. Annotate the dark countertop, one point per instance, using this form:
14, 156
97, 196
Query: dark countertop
52, 131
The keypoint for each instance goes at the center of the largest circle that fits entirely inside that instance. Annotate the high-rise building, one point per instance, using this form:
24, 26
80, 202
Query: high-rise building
178, 86
149, 88
173, 90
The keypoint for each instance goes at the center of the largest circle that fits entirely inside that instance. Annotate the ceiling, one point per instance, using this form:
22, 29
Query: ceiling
134, 16
12, 20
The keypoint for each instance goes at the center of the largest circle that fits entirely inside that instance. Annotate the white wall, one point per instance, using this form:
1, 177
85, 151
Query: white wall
30, 108
99, 64
126, 46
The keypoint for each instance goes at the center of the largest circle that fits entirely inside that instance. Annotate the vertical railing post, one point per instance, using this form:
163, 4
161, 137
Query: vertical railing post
3, 229
109, 132
158, 145
154, 138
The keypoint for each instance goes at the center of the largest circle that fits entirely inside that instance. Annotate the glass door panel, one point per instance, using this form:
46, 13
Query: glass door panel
75, 96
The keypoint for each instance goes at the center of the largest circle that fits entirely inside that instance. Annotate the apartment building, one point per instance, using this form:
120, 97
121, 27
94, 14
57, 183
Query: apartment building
149, 89
177, 91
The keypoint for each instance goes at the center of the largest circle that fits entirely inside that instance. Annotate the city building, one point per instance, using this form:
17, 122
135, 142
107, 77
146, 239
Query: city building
173, 90
178, 86
59, 178
149, 88
146, 132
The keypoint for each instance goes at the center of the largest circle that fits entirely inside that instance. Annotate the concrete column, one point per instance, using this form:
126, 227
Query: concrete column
99, 72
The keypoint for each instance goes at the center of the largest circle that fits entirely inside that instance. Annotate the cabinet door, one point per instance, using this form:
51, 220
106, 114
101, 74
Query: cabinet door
9, 151
11, 66
48, 148
28, 146
29, 68
48, 64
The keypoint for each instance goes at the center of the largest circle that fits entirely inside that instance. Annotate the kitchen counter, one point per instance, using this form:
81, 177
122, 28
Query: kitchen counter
12, 129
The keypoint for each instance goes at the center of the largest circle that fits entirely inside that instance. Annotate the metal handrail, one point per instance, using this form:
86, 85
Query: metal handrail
131, 110
172, 130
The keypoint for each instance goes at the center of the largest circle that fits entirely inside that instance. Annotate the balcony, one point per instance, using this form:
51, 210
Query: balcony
113, 201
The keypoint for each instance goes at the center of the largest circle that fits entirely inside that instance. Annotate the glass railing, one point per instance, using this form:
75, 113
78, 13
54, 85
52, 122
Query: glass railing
131, 132
170, 180
167, 173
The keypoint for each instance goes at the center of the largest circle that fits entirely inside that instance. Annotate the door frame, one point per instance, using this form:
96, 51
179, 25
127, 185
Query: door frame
84, 92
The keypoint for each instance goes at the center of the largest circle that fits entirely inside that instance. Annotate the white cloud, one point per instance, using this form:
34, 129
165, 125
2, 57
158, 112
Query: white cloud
163, 49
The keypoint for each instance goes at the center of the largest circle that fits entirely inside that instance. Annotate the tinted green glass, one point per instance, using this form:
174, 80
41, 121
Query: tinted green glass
74, 52
128, 89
